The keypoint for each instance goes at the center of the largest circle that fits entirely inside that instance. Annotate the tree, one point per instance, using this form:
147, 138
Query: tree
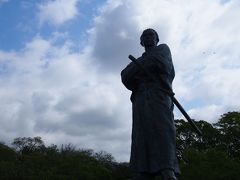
27, 145
215, 154
105, 158
7, 153
211, 164
229, 128
187, 138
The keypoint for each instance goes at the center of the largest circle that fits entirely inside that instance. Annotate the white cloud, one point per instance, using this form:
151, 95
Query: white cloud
57, 12
212, 112
49, 90
66, 96
203, 38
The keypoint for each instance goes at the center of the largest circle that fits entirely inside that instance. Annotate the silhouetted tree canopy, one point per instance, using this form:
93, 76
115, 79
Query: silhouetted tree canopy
215, 155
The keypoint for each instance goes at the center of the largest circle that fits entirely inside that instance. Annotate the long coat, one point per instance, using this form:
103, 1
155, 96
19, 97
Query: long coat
153, 131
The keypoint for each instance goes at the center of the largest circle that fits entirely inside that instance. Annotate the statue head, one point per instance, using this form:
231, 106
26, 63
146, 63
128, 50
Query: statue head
149, 38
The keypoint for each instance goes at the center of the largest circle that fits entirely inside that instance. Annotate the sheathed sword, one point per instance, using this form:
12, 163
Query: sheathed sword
170, 93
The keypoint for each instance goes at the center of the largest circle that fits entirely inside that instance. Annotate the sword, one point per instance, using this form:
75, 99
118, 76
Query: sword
170, 93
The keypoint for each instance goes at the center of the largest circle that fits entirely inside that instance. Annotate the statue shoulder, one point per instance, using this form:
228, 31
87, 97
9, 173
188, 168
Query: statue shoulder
163, 47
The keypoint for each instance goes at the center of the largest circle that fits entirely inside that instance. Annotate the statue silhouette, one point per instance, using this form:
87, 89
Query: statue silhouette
153, 148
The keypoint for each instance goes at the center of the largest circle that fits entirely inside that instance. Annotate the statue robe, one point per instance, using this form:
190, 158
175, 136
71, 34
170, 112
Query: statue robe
153, 131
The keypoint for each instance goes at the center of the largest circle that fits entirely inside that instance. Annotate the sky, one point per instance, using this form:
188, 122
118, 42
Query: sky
60, 64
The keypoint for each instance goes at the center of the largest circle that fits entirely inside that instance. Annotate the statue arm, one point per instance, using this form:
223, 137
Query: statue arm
160, 61
128, 76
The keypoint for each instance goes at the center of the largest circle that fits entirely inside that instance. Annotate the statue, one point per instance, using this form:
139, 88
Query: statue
153, 148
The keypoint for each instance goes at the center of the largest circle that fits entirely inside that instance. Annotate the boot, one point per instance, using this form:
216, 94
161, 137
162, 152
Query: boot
168, 174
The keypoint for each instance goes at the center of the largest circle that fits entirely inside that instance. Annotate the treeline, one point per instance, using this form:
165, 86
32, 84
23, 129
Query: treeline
31, 159
213, 156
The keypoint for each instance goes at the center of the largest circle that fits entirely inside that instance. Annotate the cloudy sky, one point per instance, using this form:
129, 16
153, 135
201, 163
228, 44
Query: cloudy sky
60, 63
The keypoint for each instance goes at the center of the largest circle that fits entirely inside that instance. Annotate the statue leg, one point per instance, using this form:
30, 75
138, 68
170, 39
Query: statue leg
168, 174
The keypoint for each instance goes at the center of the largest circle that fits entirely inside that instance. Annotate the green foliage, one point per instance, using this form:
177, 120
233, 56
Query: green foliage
210, 164
6, 153
213, 156
31, 159
28, 145
229, 128
187, 138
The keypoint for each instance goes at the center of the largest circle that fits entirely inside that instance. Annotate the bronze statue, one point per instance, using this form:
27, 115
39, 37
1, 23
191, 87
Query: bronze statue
153, 149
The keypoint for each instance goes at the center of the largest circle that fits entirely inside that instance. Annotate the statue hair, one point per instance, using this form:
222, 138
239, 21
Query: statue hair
149, 29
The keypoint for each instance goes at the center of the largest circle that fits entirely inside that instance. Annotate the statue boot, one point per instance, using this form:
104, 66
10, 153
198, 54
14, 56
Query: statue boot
168, 174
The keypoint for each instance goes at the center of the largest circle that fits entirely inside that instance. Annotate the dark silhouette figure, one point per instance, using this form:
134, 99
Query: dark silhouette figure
153, 149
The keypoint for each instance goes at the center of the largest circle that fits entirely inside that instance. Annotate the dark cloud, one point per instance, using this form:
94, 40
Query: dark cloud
40, 101
115, 38
91, 121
